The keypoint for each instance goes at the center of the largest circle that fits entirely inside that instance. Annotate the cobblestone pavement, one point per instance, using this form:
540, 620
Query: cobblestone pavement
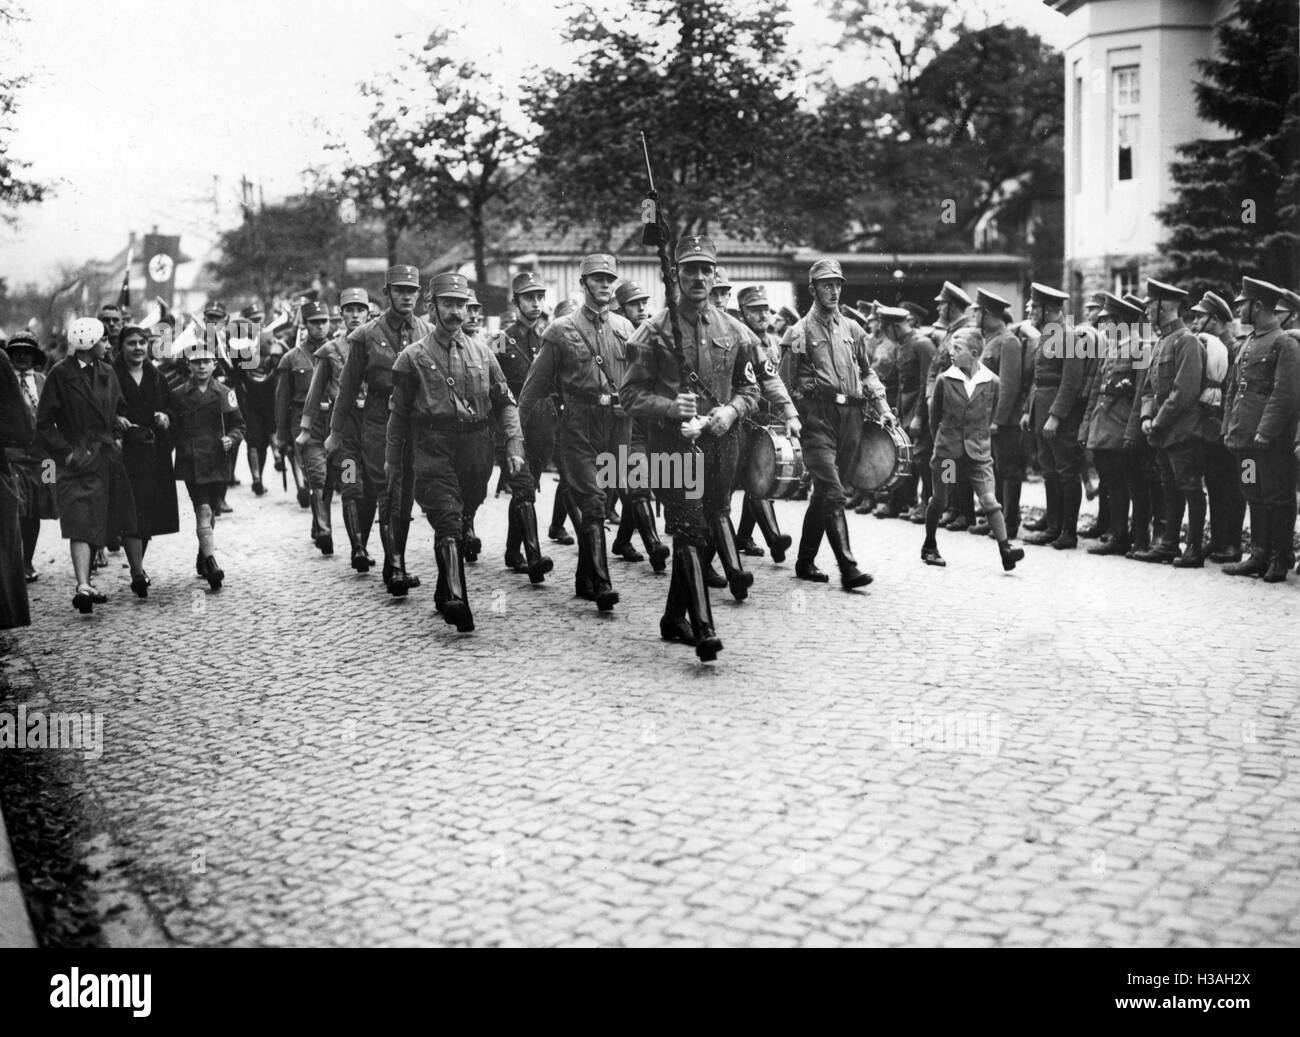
1086, 751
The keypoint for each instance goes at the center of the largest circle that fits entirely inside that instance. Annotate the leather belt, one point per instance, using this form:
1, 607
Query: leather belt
594, 399
453, 424
829, 396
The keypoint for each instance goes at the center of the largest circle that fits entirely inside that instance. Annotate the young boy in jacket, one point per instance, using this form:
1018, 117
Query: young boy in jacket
962, 407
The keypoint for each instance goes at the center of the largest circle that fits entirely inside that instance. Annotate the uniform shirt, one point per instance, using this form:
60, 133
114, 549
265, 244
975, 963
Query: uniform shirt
200, 417
1058, 379
516, 347
374, 347
295, 371
1263, 396
1110, 401
324, 388
1173, 385
824, 353
914, 357
711, 344
1005, 357
421, 394
567, 360
774, 398
961, 410
1216, 369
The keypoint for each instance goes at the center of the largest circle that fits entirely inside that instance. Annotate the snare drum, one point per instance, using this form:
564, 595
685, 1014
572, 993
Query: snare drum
775, 465
884, 458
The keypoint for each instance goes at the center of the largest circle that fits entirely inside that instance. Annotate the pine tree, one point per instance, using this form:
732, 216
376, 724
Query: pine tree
1237, 210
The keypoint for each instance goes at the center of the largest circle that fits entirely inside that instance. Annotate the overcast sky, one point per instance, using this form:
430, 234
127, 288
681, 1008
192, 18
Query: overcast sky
148, 112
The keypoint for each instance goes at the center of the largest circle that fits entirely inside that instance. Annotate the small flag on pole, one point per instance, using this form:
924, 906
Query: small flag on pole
124, 296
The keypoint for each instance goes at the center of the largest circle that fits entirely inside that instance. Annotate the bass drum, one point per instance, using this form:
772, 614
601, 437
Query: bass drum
775, 465
884, 458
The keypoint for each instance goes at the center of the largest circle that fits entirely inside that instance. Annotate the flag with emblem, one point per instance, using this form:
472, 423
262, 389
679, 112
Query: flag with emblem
124, 296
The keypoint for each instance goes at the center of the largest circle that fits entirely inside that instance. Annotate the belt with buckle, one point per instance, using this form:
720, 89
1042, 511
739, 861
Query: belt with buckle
601, 399
444, 424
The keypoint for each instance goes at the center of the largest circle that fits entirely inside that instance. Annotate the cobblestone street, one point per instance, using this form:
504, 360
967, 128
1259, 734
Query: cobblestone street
1087, 751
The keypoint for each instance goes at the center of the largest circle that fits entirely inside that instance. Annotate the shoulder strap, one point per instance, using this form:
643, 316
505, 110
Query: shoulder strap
597, 359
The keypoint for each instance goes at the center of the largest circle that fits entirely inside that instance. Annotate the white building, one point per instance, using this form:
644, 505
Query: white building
1130, 70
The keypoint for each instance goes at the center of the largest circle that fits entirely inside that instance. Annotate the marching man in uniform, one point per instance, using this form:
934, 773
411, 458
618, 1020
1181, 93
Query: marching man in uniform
826, 367
296, 370
445, 387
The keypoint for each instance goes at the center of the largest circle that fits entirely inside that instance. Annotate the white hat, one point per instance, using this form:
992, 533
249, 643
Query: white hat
85, 333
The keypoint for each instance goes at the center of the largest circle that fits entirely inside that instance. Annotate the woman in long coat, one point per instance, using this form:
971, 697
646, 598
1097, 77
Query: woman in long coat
79, 413
146, 446
15, 432
29, 464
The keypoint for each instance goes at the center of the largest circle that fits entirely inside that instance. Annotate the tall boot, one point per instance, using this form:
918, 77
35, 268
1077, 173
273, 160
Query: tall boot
593, 535
322, 533
365, 523
765, 515
514, 541
724, 543
471, 545
645, 525
361, 561
1257, 562
256, 462
1193, 557
451, 573
674, 624
584, 586
1071, 500
687, 559
538, 565
1011, 506
401, 581
1281, 533
622, 545
810, 542
837, 532
745, 531
1051, 520
558, 511
386, 539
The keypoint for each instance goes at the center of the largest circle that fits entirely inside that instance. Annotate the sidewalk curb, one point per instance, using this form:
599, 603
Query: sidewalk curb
15, 926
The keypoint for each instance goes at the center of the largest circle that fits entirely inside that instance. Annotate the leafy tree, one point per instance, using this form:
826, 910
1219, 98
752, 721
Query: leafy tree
15, 189
1237, 207
442, 147
710, 84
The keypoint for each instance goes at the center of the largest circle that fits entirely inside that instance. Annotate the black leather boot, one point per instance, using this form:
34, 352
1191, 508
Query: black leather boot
675, 624
765, 515
645, 525
1281, 532
724, 542
1193, 556
1256, 563
1011, 506
386, 538
837, 532
471, 545
401, 581
810, 542
256, 462
593, 535
537, 565
745, 531
514, 541
687, 559
322, 533
361, 561
456, 608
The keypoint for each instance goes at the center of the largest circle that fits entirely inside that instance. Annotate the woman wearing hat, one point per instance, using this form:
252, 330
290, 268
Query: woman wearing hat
28, 463
146, 446
80, 411
16, 429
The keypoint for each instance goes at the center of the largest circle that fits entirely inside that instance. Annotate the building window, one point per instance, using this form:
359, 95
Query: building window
1126, 97
1077, 134
1125, 279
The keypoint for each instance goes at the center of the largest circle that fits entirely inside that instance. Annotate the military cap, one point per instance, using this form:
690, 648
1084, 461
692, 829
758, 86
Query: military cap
449, 286
314, 311
402, 274
565, 307
336, 311
1263, 291
788, 315
1289, 303
85, 333
214, 309
354, 297
754, 295
891, 314
916, 310
1096, 299
599, 263
1113, 306
1214, 306
526, 282
630, 291
252, 312
953, 294
200, 349
1159, 290
992, 302
1135, 300
696, 249
110, 307
825, 270
720, 280
1045, 296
